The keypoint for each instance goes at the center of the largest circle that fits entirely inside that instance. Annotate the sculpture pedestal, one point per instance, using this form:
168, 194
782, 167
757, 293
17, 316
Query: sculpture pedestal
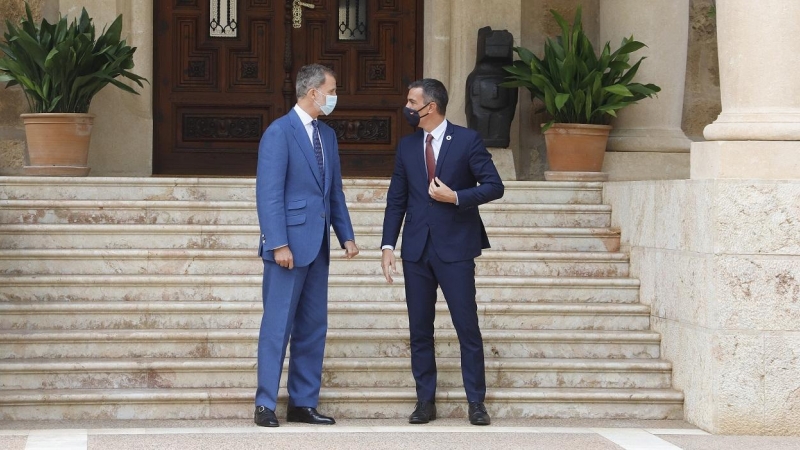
504, 161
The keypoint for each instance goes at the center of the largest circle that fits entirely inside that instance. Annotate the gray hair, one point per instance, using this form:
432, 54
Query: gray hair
310, 77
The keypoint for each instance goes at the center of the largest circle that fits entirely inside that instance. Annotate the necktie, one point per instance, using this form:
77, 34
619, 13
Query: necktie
318, 150
429, 159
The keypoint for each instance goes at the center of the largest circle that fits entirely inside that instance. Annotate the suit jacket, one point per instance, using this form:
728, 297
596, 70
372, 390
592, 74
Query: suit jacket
457, 232
294, 207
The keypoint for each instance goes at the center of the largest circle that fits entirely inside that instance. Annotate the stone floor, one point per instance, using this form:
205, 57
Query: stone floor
378, 434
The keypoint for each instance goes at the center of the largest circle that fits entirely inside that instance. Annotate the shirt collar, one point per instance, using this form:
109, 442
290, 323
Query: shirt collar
439, 131
304, 117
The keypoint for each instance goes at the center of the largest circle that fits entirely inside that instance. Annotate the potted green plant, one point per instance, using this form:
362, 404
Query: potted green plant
60, 68
581, 92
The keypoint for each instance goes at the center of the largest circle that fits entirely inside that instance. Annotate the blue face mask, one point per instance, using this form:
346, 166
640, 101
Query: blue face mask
330, 103
412, 115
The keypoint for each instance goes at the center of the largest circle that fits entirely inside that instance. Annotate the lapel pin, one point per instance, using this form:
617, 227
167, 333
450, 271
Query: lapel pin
449, 137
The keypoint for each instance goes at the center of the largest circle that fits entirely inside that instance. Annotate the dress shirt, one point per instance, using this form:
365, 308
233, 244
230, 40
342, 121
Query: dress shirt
306, 119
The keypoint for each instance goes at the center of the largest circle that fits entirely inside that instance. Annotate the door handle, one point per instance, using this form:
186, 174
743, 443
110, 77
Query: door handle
297, 12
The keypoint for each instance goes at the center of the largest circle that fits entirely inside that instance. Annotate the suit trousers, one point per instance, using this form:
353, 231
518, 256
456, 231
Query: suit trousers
457, 280
296, 305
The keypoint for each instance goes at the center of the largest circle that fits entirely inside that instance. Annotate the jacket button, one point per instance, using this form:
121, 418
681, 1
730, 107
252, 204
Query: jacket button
430, 203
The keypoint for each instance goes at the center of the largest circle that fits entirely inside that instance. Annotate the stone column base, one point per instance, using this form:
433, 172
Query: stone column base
633, 166
648, 140
552, 175
504, 161
751, 125
763, 160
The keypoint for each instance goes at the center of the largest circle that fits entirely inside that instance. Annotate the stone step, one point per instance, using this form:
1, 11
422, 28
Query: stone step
243, 189
226, 403
247, 237
244, 213
341, 315
351, 343
245, 262
341, 288
150, 373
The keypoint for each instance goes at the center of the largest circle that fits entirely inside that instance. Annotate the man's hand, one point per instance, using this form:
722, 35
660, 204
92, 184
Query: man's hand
440, 192
284, 258
387, 264
350, 249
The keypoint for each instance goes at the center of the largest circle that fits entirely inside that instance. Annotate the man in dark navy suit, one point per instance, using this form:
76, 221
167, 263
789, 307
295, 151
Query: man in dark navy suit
299, 196
442, 173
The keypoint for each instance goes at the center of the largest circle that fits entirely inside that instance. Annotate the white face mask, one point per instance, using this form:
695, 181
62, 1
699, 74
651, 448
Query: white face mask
330, 103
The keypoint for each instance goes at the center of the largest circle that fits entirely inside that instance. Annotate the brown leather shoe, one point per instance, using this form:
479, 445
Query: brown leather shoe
307, 415
424, 412
265, 417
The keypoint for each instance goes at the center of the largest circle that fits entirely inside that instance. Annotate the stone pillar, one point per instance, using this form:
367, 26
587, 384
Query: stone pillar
647, 141
757, 135
122, 136
450, 37
437, 30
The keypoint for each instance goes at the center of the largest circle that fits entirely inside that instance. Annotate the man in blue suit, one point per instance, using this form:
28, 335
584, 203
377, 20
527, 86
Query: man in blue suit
442, 173
298, 196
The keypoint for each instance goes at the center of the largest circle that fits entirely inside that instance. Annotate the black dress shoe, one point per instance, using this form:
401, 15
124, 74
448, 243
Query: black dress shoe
478, 414
265, 417
307, 415
424, 412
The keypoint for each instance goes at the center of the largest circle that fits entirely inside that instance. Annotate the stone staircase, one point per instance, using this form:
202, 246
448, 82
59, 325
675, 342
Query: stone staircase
140, 298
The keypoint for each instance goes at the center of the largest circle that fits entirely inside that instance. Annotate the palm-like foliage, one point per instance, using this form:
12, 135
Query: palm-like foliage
62, 66
574, 84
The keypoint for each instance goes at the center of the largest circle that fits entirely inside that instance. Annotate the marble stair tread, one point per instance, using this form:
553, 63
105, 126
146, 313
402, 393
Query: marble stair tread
244, 213
251, 335
106, 373
30, 365
334, 307
355, 395
341, 288
244, 262
158, 253
174, 236
334, 280
243, 189
250, 205
340, 402
342, 315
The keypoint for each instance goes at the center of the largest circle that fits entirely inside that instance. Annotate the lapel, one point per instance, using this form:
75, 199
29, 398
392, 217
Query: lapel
301, 137
447, 138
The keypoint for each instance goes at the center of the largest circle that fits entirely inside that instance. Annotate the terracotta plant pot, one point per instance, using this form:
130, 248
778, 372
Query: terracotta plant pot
58, 144
573, 147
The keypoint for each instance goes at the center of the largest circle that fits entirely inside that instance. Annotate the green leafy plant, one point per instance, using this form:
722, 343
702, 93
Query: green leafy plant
61, 66
574, 84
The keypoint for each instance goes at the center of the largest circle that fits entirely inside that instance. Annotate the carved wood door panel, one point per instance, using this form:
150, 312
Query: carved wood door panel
224, 70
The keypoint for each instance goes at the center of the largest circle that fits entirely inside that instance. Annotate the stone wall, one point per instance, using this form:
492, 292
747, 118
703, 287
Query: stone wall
719, 263
12, 101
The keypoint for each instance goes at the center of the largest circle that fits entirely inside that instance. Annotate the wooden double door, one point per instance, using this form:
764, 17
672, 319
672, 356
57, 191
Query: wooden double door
225, 69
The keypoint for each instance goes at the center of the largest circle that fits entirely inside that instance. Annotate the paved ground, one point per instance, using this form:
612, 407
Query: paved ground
377, 435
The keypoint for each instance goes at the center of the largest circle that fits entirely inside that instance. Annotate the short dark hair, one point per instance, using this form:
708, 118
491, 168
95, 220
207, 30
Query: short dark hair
432, 91
310, 77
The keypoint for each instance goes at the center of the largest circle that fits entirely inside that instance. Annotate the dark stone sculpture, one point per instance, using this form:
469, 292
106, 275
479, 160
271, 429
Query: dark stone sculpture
490, 108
